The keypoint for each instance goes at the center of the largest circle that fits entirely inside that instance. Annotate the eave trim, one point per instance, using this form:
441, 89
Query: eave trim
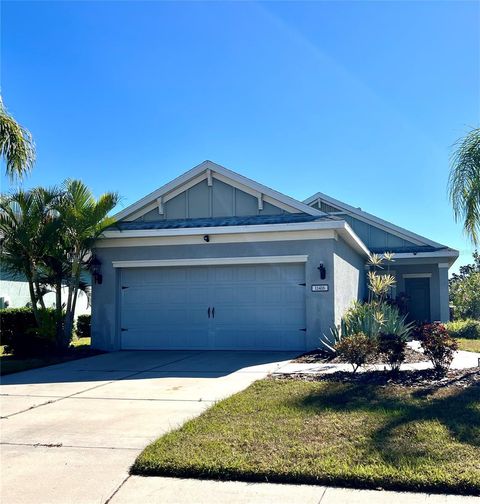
211, 261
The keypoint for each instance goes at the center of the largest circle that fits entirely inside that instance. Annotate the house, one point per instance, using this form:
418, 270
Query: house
214, 260
14, 293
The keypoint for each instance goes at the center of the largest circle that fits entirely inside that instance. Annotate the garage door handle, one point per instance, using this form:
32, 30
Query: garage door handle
208, 311
213, 312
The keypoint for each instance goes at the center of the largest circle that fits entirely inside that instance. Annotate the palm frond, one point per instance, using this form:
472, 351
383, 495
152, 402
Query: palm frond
16, 146
464, 184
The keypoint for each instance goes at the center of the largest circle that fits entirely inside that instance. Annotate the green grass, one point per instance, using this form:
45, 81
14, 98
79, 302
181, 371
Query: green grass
470, 345
330, 433
11, 364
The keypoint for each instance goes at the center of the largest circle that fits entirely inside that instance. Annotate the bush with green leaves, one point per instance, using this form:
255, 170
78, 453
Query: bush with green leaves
14, 321
83, 326
437, 345
372, 319
465, 290
357, 349
21, 334
392, 347
467, 329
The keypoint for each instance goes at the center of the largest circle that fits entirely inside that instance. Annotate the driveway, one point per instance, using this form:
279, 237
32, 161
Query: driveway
70, 432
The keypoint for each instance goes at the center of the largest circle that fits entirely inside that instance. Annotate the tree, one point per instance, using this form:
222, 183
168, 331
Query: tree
26, 226
465, 290
464, 184
82, 220
47, 235
16, 145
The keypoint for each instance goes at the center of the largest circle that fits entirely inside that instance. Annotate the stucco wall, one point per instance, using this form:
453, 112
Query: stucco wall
319, 306
349, 282
17, 295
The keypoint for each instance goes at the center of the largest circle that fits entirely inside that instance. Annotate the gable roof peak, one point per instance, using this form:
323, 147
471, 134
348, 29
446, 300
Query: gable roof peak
208, 169
373, 220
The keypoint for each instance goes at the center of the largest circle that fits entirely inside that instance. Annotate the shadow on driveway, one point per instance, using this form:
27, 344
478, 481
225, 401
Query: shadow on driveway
132, 365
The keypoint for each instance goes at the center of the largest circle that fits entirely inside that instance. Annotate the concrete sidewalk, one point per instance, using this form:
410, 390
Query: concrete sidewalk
155, 490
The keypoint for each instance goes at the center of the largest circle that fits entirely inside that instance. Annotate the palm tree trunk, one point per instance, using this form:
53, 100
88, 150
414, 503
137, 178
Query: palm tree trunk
33, 300
39, 295
58, 312
70, 312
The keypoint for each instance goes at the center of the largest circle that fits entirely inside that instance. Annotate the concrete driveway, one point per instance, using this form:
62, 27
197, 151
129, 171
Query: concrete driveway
70, 432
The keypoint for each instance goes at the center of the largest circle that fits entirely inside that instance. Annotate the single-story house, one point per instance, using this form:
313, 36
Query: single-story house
214, 260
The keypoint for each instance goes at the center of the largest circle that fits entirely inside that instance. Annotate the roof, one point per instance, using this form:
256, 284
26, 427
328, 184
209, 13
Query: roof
375, 221
407, 250
207, 170
217, 221
125, 231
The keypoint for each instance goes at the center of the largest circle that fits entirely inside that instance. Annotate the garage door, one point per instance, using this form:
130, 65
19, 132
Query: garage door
243, 307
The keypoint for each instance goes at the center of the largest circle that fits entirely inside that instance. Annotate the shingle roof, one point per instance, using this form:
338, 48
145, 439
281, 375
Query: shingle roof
218, 221
412, 249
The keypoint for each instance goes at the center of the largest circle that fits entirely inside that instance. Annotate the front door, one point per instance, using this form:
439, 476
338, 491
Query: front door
418, 294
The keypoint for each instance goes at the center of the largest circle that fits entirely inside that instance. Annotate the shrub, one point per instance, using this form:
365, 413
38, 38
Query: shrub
392, 347
465, 290
15, 321
437, 345
469, 329
21, 334
357, 349
374, 318
370, 318
83, 326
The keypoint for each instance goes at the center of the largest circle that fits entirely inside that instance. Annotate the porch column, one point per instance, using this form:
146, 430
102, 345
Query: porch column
443, 292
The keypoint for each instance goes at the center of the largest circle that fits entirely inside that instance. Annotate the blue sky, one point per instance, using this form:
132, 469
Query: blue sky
359, 100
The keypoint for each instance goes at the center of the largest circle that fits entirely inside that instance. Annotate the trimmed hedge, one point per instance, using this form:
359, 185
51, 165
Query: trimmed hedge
14, 321
21, 335
467, 329
83, 326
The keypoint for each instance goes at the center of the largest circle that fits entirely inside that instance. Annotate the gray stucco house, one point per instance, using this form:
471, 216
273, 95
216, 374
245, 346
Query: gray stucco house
214, 260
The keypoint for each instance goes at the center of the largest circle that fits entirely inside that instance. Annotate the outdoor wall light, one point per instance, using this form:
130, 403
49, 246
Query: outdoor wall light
206, 238
95, 269
323, 272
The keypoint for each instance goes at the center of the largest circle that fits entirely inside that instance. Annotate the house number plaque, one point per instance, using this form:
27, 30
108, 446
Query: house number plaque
320, 288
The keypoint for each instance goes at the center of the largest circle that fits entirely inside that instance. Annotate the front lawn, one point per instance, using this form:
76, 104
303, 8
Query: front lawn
331, 432
10, 364
470, 345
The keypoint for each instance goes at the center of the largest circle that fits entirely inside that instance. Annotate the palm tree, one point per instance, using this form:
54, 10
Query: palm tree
47, 235
464, 184
83, 219
27, 226
16, 145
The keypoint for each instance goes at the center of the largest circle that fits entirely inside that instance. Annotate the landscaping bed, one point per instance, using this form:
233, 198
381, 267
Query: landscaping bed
328, 430
319, 356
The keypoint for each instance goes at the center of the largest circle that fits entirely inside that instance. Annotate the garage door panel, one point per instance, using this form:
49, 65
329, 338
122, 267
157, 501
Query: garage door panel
149, 338
222, 274
197, 298
197, 275
256, 307
247, 274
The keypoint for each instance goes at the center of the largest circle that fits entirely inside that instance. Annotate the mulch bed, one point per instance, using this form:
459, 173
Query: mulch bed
319, 356
418, 378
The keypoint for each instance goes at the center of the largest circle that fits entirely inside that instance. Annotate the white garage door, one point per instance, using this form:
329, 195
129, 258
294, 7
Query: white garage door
242, 307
